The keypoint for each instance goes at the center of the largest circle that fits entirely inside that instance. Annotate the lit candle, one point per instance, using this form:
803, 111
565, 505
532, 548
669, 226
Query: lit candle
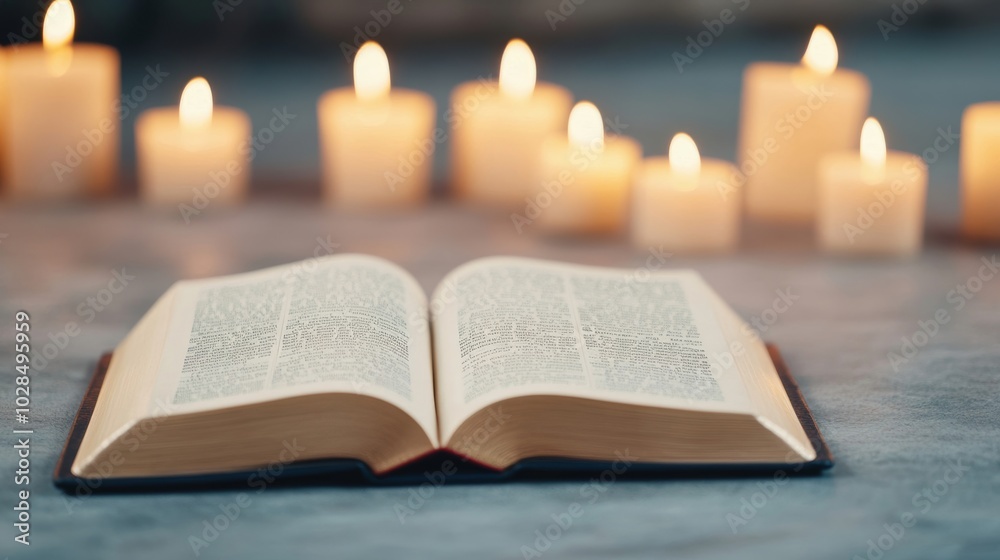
585, 177
872, 202
61, 133
499, 127
376, 143
193, 154
792, 115
981, 171
683, 203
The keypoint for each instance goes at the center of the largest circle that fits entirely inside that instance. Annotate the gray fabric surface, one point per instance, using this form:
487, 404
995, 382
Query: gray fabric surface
894, 433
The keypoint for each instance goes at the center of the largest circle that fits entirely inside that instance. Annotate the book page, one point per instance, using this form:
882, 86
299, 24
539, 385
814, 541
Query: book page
345, 323
509, 327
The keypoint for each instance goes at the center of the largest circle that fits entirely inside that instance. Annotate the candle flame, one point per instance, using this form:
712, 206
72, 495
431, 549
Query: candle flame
196, 104
517, 70
685, 161
872, 145
371, 72
586, 127
58, 25
821, 54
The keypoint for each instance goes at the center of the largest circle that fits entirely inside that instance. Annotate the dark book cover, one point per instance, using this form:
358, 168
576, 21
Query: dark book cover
436, 468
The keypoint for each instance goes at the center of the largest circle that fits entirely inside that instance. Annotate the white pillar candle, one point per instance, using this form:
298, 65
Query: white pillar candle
61, 129
585, 177
872, 202
683, 203
195, 154
376, 143
980, 169
498, 128
792, 115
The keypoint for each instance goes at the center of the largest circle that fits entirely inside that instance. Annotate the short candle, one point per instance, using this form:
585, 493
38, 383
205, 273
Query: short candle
872, 201
792, 115
585, 178
980, 170
498, 128
195, 154
685, 204
376, 142
61, 127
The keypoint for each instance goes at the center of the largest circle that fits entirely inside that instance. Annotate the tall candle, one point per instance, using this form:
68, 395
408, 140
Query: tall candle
195, 154
791, 116
585, 178
872, 201
499, 127
376, 143
980, 170
61, 130
683, 203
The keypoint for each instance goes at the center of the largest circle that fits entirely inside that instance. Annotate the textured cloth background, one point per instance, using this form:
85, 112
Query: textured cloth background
894, 433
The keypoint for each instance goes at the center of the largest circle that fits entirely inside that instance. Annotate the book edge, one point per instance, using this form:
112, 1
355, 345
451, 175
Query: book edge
64, 478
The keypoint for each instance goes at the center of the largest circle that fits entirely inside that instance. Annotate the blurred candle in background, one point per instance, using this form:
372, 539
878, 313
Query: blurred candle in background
3, 116
791, 115
498, 128
980, 170
585, 178
685, 204
195, 154
61, 128
376, 143
872, 202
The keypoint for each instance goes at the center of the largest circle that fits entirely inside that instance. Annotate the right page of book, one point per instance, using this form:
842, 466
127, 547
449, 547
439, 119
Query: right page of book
506, 327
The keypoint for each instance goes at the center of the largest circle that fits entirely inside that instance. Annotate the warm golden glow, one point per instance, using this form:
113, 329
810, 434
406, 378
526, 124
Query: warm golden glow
196, 104
371, 72
586, 127
59, 25
873, 146
821, 54
685, 161
517, 70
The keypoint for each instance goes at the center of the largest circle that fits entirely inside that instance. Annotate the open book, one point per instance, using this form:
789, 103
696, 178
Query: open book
510, 359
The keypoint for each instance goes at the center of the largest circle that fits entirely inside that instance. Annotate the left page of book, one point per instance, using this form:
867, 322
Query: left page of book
340, 324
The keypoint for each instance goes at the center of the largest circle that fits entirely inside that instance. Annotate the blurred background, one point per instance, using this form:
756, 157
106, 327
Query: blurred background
927, 60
